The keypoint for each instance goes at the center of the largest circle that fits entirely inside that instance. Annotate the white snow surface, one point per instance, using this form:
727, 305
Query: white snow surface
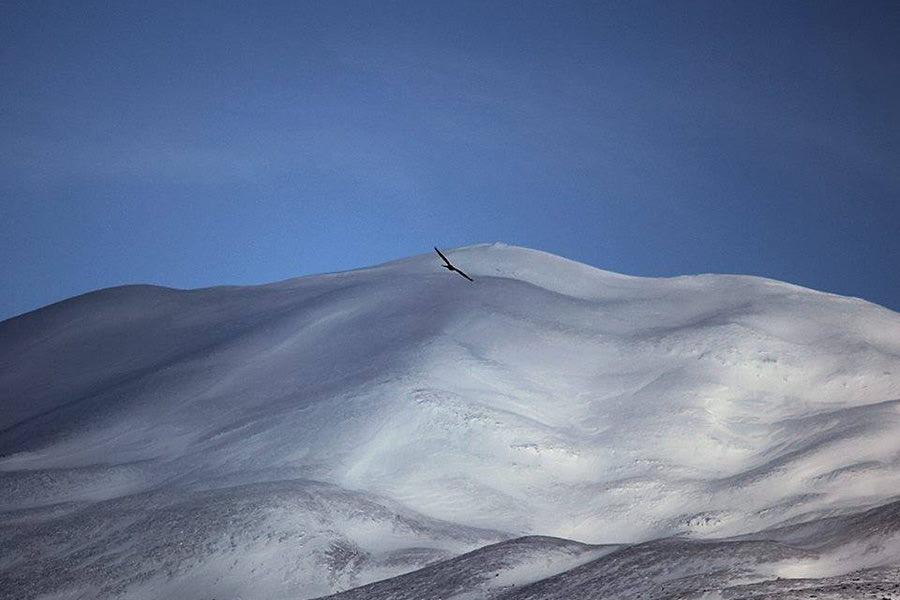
546, 398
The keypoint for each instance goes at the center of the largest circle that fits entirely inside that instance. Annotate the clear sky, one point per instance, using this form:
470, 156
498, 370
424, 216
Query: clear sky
199, 143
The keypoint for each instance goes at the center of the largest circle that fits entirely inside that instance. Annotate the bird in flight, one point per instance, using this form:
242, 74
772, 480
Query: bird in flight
449, 266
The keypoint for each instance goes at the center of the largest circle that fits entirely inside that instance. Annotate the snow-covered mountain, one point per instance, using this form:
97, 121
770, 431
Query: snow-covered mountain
310, 436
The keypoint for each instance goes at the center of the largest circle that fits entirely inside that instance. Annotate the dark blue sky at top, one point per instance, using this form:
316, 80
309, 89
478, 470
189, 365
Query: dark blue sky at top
201, 143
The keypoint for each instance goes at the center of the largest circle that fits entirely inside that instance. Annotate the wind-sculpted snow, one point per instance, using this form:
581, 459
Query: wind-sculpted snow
545, 398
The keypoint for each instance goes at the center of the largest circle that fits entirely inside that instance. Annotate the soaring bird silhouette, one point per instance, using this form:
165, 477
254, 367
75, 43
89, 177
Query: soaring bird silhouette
449, 266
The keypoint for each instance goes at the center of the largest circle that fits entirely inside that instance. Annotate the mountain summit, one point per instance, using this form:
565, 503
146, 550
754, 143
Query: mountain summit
317, 434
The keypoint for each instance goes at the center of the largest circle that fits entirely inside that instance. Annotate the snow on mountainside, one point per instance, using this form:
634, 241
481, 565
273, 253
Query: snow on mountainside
546, 398
846, 557
487, 572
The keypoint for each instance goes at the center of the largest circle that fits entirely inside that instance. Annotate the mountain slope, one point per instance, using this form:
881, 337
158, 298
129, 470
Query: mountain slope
485, 573
273, 539
545, 398
847, 557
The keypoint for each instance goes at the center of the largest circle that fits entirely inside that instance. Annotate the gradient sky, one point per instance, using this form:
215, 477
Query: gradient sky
199, 143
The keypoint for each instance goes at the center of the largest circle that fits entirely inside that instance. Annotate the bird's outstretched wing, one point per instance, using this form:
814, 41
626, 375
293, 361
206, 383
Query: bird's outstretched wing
463, 274
442, 256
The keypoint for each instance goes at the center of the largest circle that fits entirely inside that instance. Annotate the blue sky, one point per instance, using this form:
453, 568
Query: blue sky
202, 143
